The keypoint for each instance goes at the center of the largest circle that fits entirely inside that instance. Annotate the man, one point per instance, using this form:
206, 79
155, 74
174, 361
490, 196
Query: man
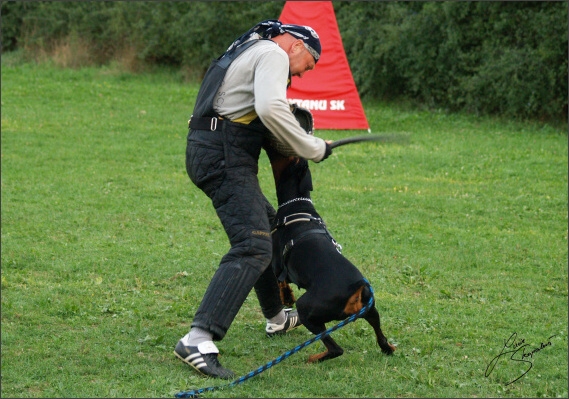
241, 102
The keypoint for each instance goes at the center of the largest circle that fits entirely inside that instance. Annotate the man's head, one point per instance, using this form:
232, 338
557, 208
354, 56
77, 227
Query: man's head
300, 59
301, 43
309, 38
302, 46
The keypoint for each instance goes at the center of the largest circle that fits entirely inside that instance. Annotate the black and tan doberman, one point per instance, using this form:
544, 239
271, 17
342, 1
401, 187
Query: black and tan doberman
304, 253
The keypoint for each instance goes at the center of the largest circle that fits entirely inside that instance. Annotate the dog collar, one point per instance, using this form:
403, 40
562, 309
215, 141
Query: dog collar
294, 200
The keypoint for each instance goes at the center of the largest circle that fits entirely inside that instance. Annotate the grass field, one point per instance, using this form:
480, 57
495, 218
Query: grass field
107, 249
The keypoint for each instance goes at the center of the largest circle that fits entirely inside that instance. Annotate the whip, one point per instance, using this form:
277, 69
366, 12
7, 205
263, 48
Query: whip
383, 138
195, 392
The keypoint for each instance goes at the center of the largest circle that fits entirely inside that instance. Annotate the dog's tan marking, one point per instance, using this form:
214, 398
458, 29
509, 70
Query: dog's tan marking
315, 358
354, 304
287, 296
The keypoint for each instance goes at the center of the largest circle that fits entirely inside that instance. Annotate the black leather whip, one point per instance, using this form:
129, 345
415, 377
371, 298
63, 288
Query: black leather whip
383, 138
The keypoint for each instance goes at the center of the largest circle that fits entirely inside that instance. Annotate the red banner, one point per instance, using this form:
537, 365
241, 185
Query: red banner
329, 91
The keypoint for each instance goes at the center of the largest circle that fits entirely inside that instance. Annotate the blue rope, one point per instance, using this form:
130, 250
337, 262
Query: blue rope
195, 392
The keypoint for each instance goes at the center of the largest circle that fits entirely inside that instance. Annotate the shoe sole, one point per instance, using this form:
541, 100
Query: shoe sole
278, 333
281, 332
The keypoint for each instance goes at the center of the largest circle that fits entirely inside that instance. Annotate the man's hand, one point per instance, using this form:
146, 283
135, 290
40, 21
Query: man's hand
328, 149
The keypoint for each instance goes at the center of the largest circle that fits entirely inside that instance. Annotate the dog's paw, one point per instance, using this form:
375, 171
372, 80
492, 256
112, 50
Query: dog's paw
327, 355
389, 349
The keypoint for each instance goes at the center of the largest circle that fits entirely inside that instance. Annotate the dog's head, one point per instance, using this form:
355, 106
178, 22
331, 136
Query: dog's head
290, 171
293, 179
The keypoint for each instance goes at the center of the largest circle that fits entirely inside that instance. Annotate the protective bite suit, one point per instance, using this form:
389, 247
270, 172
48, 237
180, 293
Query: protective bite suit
222, 160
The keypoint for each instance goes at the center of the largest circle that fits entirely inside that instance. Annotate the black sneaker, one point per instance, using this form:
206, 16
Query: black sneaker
292, 321
205, 363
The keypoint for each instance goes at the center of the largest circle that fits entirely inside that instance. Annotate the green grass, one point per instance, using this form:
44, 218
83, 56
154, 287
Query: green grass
107, 248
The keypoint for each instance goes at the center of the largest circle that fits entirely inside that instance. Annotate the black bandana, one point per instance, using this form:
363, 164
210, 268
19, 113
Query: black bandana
272, 27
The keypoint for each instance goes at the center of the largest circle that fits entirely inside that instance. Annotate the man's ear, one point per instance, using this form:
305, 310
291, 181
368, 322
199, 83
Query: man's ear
297, 46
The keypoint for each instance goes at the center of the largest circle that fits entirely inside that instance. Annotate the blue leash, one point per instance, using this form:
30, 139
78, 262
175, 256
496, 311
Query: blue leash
195, 392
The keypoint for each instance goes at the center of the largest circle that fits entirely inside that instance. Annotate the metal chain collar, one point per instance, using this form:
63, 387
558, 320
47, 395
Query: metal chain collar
294, 200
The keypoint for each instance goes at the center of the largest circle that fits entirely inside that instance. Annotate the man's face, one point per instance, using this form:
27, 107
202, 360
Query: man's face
300, 60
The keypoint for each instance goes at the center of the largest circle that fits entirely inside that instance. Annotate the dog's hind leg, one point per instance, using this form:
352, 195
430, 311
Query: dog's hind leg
372, 317
316, 325
332, 350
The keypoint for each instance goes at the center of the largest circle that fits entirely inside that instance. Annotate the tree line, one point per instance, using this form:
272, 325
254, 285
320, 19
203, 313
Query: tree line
506, 58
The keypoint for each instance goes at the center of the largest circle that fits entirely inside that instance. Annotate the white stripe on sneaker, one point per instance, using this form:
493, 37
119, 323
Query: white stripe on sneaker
199, 365
196, 360
292, 322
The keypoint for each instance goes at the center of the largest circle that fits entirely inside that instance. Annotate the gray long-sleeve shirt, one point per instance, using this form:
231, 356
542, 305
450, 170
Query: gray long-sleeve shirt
256, 83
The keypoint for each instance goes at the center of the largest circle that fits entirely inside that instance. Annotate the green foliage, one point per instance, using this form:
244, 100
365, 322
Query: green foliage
12, 14
507, 58
188, 34
107, 248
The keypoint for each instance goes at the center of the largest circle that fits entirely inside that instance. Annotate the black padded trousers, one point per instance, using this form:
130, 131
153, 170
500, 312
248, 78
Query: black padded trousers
224, 165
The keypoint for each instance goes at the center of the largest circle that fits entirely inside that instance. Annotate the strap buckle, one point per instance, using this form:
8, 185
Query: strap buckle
213, 124
298, 216
337, 245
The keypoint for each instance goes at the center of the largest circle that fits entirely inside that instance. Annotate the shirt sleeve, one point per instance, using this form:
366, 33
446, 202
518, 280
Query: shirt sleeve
271, 105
